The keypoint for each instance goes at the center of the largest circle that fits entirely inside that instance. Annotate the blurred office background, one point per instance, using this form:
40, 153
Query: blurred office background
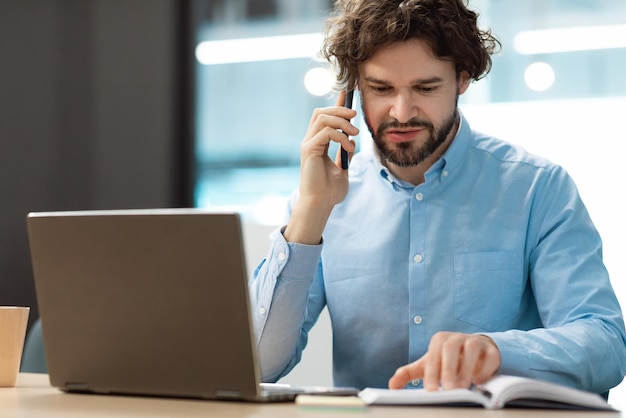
166, 103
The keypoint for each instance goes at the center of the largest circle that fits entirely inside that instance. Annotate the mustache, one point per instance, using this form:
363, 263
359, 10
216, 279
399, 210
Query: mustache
413, 123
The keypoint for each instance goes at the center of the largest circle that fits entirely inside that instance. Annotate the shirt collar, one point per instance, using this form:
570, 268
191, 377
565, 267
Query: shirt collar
455, 153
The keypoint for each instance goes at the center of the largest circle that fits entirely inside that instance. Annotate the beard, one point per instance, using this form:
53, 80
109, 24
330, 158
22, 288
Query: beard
410, 154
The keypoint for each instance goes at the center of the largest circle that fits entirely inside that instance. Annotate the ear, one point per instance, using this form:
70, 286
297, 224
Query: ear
463, 81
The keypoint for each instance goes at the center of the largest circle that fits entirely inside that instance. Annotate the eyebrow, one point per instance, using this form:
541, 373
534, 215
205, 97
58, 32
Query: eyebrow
430, 80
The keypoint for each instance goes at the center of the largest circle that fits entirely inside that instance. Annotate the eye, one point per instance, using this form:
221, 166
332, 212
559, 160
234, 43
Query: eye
380, 89
426, 89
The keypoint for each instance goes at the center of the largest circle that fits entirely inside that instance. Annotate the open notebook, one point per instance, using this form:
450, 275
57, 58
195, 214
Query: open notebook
498, 392
148, 302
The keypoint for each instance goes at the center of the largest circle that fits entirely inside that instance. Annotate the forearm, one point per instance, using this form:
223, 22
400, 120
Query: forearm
586, 354
307, 222
279, 291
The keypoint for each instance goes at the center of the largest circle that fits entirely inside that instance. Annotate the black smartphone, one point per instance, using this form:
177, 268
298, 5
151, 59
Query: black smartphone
344, 153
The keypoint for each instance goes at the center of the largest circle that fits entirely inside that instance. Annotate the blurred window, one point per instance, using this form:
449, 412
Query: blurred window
258, 80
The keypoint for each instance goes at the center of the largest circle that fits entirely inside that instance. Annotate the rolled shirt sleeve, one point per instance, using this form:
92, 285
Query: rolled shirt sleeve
279, 291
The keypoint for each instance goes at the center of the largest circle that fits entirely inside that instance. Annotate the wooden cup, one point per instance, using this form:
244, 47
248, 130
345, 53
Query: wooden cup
13, 323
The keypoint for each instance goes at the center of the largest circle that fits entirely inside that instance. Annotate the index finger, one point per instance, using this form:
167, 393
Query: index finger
405, 374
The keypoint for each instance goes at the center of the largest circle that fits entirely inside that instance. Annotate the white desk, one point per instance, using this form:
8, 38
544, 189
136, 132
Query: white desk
34, 397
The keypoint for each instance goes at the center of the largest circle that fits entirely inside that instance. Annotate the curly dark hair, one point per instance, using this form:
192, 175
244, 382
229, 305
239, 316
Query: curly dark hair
358, 28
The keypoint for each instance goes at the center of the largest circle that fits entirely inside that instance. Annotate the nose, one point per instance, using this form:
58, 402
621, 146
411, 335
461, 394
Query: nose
402, 108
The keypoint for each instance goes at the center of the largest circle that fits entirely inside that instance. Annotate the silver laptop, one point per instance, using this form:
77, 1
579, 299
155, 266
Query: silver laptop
148, 302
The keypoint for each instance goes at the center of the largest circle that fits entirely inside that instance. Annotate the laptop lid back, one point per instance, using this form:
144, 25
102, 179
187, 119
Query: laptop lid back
150, 302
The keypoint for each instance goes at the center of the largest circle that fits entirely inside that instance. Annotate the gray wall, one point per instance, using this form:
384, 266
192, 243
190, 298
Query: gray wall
91, 116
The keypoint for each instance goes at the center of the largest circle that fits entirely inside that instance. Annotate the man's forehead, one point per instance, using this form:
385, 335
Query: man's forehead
406, 62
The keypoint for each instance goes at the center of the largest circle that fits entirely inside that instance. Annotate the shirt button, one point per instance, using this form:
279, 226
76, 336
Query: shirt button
281, 256
419, 197
445, 173
262, 310
417, 319
416, 382
418, 258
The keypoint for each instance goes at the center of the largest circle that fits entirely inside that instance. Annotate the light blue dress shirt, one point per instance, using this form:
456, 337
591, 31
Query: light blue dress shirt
496, 241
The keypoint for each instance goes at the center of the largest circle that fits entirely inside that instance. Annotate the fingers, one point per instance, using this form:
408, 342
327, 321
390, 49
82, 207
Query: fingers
332, 118
350, 153
451, 364
335, 117
453, 360
466, 368
328, 125
317, 145
490, 362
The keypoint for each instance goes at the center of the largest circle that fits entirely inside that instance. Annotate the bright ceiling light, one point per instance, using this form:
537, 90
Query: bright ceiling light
570, 39
539, 76
269, 48
318, 81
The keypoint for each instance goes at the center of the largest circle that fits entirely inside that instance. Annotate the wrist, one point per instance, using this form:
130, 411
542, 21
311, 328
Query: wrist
307, 223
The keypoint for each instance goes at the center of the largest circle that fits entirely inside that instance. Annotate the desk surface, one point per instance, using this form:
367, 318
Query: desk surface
34, 397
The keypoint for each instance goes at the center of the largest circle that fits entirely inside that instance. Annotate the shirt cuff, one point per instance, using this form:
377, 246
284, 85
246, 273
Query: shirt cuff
294, 261
512, 359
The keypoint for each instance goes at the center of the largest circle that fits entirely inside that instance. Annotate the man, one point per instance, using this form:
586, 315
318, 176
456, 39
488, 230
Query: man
445, 256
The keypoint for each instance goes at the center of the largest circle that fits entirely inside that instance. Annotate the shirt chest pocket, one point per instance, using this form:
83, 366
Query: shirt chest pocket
488, 288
